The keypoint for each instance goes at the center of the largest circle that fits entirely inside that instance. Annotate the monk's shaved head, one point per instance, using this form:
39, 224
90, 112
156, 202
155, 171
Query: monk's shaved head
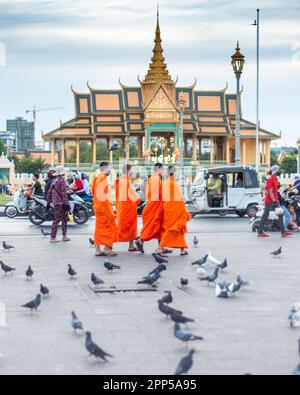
104, 167
172, 170
127, 169
158, 168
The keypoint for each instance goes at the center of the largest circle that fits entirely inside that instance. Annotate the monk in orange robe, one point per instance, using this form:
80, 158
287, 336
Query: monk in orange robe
127, 201
153, 212
176, 214
106, 230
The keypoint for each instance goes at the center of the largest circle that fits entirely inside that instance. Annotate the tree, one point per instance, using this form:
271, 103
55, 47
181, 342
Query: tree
2, 147
30, 165
274, 159
289, 164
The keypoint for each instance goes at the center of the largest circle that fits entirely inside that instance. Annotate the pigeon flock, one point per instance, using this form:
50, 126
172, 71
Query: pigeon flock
208, 271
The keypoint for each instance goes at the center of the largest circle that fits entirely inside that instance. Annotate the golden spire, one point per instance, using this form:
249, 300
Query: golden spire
158, 69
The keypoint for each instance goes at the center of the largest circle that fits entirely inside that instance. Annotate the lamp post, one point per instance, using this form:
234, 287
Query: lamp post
238, 62
257, 24
298, 166
181, 104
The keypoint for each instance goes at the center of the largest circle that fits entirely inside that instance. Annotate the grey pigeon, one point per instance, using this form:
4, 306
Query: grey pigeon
242, 282
294, 316
110, 266
201, 261
150, 279
29, 273
91, 241
277, 253
222, 290
167, 298
159, 259
223, 265
195, 241
114, 147
7, 247
96, 280
76, 323
180, 319
6, 268
160, 268
34, 304
71, 272
212, 278
184, 282
185, 364
167, 310
44, 290
183, 335
94, 349
44, 233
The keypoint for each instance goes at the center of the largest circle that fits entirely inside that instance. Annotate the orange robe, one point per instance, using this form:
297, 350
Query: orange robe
176, 215
106, 231
153, 212
127, 201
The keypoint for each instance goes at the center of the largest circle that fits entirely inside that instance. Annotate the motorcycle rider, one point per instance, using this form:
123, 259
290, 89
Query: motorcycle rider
49, 178
271, 203
78, 186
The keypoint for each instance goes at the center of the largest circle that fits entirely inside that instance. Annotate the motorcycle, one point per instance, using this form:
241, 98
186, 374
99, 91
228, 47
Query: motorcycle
271, 222
39, 215
21, 205
88, 202
292, 199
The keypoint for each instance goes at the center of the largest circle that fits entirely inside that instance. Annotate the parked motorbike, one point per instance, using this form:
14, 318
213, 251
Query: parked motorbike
88, 202
21, 205
39, 215
271, 224
292, 199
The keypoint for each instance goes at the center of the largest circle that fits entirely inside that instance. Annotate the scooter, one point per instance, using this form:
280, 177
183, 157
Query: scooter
271, 222
21, 205
39, 215
88, 202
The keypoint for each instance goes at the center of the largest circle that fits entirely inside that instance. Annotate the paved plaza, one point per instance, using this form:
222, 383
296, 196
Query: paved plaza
245, 334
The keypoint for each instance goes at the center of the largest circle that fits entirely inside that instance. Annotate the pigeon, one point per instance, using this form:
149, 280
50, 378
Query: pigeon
277, 253
212, 278
114, 147
201, 261
160, 268
91, 241
29, 273
151, 279
110, 266
185, 364
195, 242
183, 335
242, 282
222, 290
294, 316
167, 298
6, 246
184, 282
167, 310
34, 304
76, 324
96, 280
213, 260
44, 233
94, 349
44, 290
223, 264
6, 269
71, 272
181, 319
159, 259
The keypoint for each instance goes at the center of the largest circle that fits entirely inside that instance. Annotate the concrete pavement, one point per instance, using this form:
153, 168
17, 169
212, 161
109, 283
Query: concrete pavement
246, 334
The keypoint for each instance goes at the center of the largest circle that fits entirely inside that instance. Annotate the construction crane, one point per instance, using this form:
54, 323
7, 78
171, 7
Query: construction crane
34, 111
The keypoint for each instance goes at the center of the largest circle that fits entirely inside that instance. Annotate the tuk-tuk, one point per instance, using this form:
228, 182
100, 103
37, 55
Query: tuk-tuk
238, 191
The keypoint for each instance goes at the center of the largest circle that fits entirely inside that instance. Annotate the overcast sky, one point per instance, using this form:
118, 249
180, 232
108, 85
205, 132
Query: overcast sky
51, 44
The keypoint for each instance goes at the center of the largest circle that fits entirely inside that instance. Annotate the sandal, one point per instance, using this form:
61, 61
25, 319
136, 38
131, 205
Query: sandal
167, 251
140, 246
110, 253
133, 249
185, 253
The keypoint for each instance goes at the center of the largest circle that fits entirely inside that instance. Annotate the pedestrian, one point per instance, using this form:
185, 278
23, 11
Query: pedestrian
49, 178
271, 203
106, 230
176, 214
127, 201
58, 196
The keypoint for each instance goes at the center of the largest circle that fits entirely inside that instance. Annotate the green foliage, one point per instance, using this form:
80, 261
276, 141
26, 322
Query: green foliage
274, 159
30, 165
289, 163
2, 147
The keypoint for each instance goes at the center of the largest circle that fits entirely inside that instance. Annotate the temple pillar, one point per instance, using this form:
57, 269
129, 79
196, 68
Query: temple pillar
212, 150
63, 150
227, 151
244, 145
140, 147
269, 153
53, 152
194, 148
77, 153
94, 148
111, 153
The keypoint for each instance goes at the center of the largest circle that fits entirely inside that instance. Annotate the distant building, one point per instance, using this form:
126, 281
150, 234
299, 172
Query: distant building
24, 131
8, 139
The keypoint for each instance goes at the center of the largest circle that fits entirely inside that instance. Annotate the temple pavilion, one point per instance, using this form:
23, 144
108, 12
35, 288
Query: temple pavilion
145, 121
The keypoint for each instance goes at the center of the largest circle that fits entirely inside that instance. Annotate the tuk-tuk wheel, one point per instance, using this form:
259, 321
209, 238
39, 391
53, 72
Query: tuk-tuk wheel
252, 210
241, 213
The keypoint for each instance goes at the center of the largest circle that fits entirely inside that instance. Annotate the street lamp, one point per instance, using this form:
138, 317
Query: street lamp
298, 145
238, 62
257, 24
181, 104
